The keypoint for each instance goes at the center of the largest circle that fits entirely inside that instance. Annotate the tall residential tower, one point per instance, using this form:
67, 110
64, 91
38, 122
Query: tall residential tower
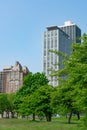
59, 39
72, 30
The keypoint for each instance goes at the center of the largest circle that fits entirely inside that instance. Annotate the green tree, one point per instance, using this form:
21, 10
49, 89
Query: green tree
39, 102
42, 101
64, 101
73, 79
11, 106
31, 82
4, 104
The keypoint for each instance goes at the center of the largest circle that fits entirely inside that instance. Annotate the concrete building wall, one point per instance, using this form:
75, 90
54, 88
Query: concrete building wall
58, 38
72, 30
54, 39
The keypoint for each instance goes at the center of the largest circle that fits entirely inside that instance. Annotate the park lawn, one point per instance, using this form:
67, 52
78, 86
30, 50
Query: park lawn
24, 124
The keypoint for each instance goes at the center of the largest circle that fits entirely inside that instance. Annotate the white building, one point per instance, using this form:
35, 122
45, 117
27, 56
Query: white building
73, 31
55, 38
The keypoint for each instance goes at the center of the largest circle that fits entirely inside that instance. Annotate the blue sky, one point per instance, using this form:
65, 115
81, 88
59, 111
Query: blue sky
22, 23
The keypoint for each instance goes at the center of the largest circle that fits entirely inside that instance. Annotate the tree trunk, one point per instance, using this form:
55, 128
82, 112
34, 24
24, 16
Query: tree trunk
69, 119
48, 117
16, 115
1, 115
12, 114
33, 117
7, 115
78, 115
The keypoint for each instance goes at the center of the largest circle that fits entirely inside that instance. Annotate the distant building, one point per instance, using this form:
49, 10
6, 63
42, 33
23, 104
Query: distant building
72, 30
11, 78
58, 38
54, 39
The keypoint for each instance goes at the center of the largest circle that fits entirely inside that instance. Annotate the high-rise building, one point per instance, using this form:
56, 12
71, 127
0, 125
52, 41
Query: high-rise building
72, 30
11, 78
55, 38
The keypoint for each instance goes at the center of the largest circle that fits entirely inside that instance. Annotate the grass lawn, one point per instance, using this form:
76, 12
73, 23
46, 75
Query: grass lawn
24, 124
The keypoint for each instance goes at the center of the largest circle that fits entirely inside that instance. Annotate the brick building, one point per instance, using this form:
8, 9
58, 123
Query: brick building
11, 78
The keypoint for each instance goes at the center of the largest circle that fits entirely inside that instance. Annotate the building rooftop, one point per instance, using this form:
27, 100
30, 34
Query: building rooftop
16, 67
52, 28
67, 23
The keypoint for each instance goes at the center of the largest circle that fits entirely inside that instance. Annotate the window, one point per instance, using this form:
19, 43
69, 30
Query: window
48, 44
44, 65
56, 33
44, 52
55, 43
52, 33
48, 34
52, 43
45, 44
48, 64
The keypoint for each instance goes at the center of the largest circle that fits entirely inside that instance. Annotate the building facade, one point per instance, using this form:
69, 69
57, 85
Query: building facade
72, 30
11, 78
55, 38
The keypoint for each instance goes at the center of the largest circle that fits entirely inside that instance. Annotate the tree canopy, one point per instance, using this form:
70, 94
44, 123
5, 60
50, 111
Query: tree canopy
71, 93
31, 83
